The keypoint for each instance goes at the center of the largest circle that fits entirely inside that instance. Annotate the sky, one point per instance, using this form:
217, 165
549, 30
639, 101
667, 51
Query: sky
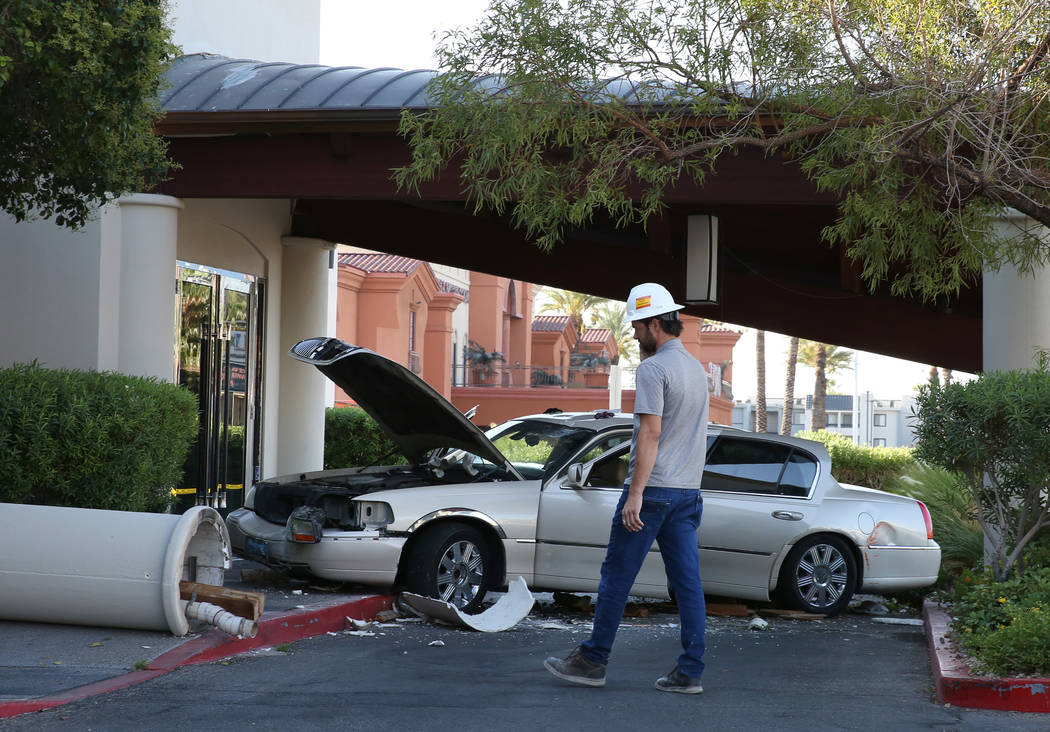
404, 33
398, 33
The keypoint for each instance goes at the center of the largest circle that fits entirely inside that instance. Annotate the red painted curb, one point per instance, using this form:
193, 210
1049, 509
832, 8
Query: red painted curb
215, 645
957, 685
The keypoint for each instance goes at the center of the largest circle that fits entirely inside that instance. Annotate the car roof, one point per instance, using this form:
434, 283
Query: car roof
603, 419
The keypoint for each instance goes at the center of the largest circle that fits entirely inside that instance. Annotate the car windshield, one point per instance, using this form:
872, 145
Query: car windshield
538, 449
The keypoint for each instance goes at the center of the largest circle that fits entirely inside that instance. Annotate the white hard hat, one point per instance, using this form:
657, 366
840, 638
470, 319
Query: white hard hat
648, 300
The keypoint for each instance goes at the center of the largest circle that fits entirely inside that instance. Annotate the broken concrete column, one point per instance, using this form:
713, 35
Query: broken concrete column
110, 568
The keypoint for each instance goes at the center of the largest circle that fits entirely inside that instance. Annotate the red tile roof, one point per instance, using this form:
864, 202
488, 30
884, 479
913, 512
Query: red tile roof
716, 328
379, 262
551, 323
596, 335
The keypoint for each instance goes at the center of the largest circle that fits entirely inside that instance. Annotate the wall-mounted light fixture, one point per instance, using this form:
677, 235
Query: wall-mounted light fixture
701, 260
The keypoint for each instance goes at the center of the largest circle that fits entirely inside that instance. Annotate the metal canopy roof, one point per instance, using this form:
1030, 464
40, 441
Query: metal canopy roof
205, 82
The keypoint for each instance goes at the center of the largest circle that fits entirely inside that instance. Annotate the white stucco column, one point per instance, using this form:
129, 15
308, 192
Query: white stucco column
1016, 311
304, 314
149, 226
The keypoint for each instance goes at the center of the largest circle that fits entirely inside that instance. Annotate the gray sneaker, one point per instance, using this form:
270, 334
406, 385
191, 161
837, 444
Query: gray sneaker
679, 683
576, 669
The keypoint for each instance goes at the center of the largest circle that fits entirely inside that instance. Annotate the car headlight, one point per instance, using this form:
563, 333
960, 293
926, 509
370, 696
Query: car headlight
371, 514
305, 525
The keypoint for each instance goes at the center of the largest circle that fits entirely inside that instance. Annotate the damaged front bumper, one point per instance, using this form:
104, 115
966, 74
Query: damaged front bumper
368, 557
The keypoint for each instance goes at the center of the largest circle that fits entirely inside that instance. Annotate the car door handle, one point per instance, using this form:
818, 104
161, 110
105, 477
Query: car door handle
787, 515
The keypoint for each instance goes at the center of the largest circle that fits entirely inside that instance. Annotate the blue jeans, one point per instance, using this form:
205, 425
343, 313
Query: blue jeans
671, 517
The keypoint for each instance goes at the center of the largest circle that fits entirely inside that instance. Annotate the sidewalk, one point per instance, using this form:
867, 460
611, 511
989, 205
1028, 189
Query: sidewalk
46, 665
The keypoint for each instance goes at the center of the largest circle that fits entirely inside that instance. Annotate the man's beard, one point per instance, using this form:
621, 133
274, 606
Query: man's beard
646, 346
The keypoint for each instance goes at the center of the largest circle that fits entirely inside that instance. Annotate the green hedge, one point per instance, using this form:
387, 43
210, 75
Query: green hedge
91, 440
871, 467
352, 438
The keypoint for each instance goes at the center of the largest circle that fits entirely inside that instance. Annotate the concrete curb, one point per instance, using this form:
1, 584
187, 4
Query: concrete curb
957, 685
215, 645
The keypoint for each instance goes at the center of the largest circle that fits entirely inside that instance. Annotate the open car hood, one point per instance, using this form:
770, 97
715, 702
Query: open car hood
416, 417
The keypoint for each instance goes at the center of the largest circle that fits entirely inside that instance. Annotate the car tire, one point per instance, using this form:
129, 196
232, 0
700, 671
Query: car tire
452, 562
819, 576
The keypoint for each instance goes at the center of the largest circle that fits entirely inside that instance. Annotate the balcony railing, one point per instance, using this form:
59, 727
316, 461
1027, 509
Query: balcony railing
531, 376
564, 377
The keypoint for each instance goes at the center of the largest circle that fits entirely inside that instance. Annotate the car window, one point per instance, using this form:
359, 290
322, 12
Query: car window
603, 445
745, 466
538, 449
613, 457
798, 475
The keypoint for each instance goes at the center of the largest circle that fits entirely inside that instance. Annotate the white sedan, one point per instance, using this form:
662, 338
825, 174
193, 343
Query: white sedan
534, 497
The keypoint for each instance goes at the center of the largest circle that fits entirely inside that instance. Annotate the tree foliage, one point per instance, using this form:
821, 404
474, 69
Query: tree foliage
925, 117
613, 317
995, 432
574, 304
825, 361
78, 99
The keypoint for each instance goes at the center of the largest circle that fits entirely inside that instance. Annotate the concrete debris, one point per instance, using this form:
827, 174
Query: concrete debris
555, 626
384, 616
758, 624
366, 633
437, 643
899, 621
505, 614
580, 603
408, 620
360, 624
870, 607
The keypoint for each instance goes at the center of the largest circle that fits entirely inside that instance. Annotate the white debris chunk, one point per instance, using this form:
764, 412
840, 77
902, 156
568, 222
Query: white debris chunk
437, 643
359, 624
758, 624
898, 621
505, 614
297, 592
367, 633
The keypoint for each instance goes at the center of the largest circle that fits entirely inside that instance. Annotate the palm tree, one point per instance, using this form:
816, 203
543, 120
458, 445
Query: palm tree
789, 387
613, 317
566, 302
826, 361
760, 381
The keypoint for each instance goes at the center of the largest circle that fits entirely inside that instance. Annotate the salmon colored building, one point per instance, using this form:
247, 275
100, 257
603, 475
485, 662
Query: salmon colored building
509, 363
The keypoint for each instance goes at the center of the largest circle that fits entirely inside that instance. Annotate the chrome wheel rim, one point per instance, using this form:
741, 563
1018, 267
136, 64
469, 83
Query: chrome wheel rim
460, 573
821, 576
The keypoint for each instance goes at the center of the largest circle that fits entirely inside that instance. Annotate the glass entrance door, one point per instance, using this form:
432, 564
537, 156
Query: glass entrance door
218, 331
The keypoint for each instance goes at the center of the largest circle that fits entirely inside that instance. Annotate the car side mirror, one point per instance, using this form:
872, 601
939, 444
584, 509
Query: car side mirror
577, 476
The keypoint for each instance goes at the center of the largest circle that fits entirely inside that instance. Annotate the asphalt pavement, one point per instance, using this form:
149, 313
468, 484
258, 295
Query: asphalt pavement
804, 666
44, 665
845, 673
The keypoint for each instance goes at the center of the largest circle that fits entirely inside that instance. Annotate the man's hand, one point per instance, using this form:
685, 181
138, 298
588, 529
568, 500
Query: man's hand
644, 458
631, 514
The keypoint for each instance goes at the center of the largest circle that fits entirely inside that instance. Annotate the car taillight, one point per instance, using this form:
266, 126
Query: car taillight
927, 519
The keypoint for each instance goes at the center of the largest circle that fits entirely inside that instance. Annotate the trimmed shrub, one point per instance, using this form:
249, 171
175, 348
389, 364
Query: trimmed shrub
1005, 625
352, 438
871, 467
92, 440
953, 513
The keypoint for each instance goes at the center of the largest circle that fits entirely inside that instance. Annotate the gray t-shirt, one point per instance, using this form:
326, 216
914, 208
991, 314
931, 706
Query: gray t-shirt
673, 384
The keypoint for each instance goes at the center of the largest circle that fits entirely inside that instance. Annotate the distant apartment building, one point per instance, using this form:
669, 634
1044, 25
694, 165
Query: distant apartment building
880, 422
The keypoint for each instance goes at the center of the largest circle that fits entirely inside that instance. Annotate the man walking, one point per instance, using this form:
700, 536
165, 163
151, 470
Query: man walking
661, 497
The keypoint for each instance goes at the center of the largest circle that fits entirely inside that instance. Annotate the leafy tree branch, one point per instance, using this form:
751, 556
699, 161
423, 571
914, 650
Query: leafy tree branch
926, 120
